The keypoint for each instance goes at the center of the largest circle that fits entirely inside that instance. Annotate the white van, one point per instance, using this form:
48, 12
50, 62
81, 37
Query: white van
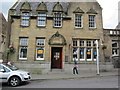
12, 75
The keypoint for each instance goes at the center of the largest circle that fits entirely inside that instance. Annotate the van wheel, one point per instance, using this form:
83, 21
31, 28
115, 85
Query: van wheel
14, 81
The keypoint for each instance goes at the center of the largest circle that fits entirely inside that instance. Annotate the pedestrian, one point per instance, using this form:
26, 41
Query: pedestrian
75, 67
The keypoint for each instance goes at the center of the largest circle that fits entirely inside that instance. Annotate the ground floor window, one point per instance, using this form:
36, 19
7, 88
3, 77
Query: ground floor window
40, 44
84, 50
115, 48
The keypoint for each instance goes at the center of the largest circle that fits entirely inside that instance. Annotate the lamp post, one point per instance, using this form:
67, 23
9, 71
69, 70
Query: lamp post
97, 61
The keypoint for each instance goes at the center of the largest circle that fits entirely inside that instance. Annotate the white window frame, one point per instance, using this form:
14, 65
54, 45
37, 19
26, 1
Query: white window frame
78, 21
57, 19
92, 21
23, 43
91, 54
25, 19
41, 20
117, 48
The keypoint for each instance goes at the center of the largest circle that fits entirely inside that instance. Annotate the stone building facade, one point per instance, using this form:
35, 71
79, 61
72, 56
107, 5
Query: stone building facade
3, 33
53, 34
112, 41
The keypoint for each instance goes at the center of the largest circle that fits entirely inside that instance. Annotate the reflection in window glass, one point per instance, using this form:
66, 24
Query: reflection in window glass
94, 53
88, 51
81, 53
23, 53
75, 52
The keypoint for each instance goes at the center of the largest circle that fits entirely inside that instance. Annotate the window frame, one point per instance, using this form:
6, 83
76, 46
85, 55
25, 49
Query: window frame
115, 48
41, 18
23, 45
92, 23
25, 19
57, 19
77, 21
40, 46
91, 46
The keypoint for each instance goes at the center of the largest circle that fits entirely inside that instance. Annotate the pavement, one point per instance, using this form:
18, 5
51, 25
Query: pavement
82, 74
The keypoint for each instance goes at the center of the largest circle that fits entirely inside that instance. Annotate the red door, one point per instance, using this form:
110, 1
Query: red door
56, 58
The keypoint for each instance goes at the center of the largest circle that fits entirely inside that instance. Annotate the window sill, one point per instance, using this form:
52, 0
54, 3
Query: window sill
39, 59
23, 59
77, 28
41, 26
57, 26
92, 28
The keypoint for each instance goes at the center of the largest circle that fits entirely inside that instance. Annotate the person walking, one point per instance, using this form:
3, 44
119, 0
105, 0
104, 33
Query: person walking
75, 67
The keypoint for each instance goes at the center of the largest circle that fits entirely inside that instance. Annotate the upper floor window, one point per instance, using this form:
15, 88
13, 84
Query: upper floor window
92, 21
42, 19
57, 19
25, 19
78, 21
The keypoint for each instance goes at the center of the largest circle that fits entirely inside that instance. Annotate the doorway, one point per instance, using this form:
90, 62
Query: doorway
56, 58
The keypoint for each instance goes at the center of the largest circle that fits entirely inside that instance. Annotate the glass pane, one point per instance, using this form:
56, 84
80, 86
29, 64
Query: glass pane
75, 52
88, 51
40, 41
23, 52
114, 52
81, 43
23, 41
114, 44
81, 53
78, 20
75, 43
88, 43
94, 53
40, 52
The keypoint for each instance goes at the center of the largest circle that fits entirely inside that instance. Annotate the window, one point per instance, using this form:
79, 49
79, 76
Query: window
41, 19
40, 44
57, 19
78, 21
23, 48
115, 48
84, 50
92, 21
25, 19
